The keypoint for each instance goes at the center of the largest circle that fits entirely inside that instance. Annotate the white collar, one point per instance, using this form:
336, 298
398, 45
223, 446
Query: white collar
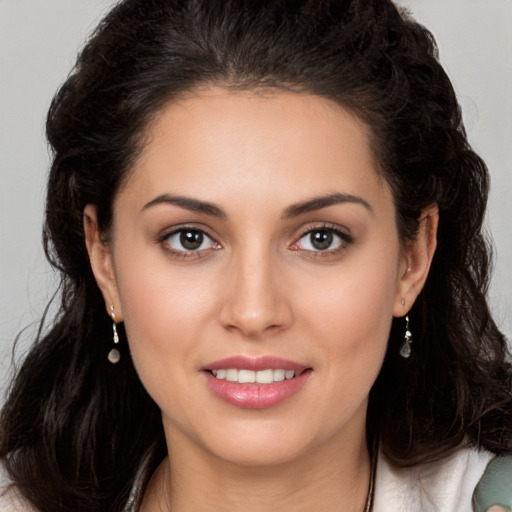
443, 486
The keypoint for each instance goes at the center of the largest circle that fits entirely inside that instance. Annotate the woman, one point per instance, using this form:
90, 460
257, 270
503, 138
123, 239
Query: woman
268, 222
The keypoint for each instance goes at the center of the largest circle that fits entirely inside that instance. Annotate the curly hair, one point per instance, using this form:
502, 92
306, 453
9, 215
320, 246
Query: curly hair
71, 431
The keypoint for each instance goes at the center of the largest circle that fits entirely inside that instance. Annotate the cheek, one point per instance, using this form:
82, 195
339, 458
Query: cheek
350, 316
164, 312
356, 340
163, 300
357, 297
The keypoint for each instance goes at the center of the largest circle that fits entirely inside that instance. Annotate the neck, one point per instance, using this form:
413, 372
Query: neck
328, 478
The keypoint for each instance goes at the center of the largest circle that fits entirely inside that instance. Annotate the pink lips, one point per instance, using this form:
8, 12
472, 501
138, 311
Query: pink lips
255, 395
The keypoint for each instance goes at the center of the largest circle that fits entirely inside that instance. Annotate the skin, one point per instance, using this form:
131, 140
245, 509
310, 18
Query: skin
259, 288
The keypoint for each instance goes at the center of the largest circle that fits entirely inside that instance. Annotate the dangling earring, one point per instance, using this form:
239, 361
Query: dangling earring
114, 356
405, 349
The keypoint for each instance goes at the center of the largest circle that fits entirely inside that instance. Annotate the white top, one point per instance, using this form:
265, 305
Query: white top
443, 486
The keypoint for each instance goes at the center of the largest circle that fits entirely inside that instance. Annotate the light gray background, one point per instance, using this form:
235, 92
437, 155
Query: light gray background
38, 43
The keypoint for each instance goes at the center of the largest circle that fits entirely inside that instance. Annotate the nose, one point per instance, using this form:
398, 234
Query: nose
255, 298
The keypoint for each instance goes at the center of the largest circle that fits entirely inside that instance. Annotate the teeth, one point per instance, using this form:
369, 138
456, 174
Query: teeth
265, 376
279, 375
289, 374
248, 376
232, 375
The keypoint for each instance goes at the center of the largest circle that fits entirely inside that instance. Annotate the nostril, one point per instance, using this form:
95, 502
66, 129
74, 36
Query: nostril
252, 305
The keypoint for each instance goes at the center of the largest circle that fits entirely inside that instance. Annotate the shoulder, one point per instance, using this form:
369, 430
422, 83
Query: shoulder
10, 499
446, 485
494, 491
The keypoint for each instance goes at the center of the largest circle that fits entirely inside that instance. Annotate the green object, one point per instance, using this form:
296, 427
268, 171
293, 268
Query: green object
495, 487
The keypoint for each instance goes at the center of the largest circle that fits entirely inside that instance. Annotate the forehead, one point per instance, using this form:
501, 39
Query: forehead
221, 144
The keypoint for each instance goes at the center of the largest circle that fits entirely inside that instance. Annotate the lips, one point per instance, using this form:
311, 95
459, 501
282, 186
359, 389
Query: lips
255, 383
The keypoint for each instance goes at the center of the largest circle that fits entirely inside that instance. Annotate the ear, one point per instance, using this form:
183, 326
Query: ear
100, 258
416, 261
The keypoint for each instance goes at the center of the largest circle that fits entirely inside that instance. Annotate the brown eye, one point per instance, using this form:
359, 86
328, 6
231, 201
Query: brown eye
321, 240
187, 240
191, 240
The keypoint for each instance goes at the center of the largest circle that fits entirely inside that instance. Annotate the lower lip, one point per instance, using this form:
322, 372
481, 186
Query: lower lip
256, 396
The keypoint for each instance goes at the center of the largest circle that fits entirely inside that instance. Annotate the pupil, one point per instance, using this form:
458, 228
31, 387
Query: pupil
321, 240
191, 240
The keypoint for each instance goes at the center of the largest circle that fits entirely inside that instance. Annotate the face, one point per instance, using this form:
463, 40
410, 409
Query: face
256, 264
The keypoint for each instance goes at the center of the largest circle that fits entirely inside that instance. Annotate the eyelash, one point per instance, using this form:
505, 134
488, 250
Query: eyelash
345, 240
163, 240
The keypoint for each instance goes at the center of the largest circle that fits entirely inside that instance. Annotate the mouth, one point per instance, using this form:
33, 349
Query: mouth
257, 383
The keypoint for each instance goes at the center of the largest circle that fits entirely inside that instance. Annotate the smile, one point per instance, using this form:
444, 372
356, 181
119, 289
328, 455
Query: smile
255, 383
267, 376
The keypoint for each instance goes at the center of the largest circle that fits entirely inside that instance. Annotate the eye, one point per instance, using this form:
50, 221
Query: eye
188, 240
324, 239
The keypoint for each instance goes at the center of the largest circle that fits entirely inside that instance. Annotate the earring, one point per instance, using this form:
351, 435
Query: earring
405, 349
114, 356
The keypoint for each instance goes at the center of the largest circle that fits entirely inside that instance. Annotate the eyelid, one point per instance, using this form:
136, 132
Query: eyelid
166, 234
346, 239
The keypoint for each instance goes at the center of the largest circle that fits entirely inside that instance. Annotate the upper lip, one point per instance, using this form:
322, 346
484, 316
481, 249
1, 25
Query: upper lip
255, 364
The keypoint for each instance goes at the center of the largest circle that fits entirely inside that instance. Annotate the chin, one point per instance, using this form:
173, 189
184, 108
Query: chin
262, 443
258, 454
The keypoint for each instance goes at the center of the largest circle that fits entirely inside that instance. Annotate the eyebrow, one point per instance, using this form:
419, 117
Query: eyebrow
317, 203
204, 207
193, 205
